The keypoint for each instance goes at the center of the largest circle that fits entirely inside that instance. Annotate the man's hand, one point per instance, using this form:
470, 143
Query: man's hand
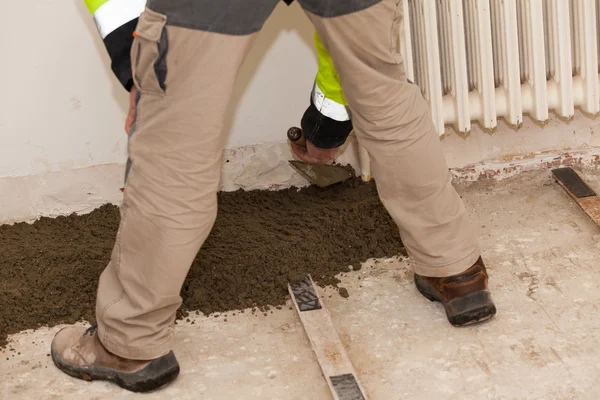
131, 114
313, 154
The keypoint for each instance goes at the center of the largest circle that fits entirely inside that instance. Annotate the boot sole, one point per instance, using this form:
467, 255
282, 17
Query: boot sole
466, 310
153, 376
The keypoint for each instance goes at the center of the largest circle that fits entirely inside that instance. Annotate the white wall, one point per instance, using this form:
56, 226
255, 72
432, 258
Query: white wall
275, 81
61, 108
62, 145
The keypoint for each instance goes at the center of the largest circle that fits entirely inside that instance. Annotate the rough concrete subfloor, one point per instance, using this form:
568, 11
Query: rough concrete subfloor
544, 263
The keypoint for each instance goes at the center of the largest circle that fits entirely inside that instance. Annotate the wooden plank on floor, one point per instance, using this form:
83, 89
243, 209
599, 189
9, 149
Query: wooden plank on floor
583, 195
325, 341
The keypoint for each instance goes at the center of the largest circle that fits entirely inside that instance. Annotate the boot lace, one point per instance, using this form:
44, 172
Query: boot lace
91, 330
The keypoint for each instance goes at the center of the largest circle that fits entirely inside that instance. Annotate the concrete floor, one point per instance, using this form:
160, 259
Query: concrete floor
543, 257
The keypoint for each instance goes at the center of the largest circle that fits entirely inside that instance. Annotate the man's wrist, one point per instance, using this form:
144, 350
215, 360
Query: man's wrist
322, 131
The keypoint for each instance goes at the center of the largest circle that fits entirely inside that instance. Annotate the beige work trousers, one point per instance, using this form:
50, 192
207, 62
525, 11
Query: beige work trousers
170, 201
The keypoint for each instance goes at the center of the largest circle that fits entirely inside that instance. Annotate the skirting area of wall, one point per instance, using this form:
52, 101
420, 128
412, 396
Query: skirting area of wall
481, 155
82, 190
501, 169
59, 193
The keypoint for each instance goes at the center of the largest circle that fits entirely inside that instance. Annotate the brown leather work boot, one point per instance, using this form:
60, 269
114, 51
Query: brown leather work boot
77, 351
465, 296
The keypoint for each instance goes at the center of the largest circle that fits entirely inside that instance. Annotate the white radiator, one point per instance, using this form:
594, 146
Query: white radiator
480, 60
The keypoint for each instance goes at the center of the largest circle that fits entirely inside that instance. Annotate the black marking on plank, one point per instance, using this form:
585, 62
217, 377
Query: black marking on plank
573, 182
346, 387
306, 295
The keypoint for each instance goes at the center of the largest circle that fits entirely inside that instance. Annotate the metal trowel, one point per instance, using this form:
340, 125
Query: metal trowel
317, 174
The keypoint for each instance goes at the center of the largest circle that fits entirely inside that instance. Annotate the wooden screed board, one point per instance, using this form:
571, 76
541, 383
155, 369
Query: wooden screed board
583, 195
331, 354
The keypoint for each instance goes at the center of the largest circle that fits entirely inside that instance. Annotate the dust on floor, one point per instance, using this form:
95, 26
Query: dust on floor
542, 254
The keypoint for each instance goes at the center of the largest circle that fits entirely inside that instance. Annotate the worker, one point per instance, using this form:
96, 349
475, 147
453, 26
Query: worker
185, 55
326, 123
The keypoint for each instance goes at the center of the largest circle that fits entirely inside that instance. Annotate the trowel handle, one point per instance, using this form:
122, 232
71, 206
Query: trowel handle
295, 135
